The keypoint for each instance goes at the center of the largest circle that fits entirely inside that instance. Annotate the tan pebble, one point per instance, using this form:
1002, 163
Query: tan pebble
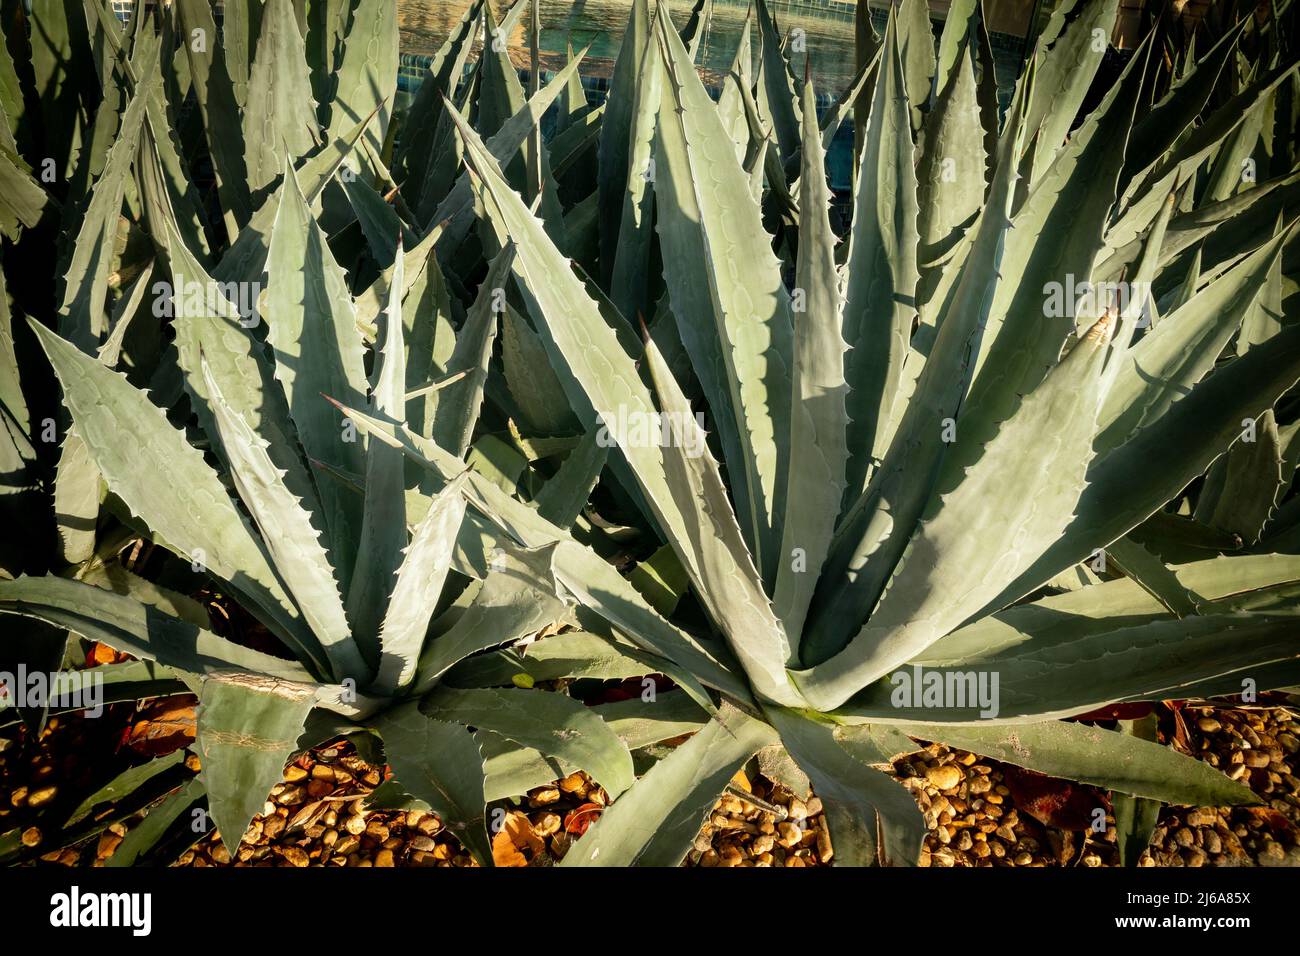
355, 825
384, 858
377, 830
1256, 759
38, 798
573, 783
220, 854
290, 795
763, 859
273, 825
429, 825
544, 797
546, 824
825, 849
423, 843
790, 834
944, 777
763, 844
293, 773
1023, 859
319, 788
413, 818
730, 856
322, 772
330, 837
347, 844
296, 856
814, 806
1208, 725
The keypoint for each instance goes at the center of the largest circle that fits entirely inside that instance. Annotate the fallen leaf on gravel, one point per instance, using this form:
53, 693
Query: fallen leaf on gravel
103, 654
1052, 801
516, 835
580, 818
1276, 821
163, 726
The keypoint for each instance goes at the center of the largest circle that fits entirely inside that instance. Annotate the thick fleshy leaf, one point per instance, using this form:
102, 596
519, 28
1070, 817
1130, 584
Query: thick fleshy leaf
593, 581
419, 585
365, 76
563, 497
946, 573
132, 627
422, 119
665, 470
916, 46
248, 725
312, 331
882, 272
440, 764
1171, 358
76, 499
210, 327
873, 820
654, 823
617, 128
874, 532
216, 98
383, 521
1064, 73
819, 421
550, 722
778, 95
516, 600
1122, 487
720, 271
1135, 817
145, 835
456, 407
163, 479
511, 770
82, 318
1096, 756
1036, 677
286, 529
280, 112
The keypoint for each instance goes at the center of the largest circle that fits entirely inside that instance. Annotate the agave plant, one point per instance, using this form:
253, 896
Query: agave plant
833, 466
325, 542
915, 453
